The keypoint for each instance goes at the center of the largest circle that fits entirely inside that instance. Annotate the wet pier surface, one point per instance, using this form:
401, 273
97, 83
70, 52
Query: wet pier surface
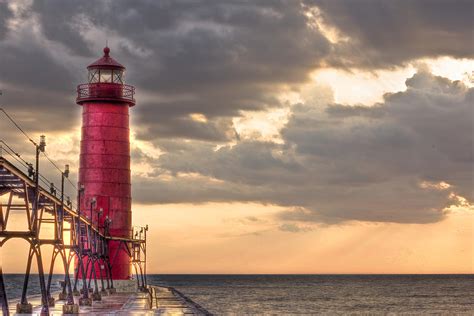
157, 301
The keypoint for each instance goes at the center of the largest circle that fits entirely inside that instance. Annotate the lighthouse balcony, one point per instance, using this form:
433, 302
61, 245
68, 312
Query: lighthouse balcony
110, 92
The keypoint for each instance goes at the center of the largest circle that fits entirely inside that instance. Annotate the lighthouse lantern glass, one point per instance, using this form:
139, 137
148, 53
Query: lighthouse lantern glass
118, 76
105, 75
93, 75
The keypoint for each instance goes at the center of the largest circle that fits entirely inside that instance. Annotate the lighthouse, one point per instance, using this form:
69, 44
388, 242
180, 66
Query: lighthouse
104, 171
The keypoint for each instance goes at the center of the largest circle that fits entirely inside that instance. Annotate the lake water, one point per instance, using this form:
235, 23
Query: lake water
326, 294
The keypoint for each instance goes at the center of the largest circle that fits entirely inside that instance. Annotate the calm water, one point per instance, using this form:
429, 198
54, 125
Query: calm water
326, 294
315, 294
14, 285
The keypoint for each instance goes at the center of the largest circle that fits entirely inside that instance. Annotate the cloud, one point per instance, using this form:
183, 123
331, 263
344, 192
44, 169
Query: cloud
5, 15
215, 59
293, 228
211, 58
218, 129
341, 163
197, 65
65, 22
385, 34
37, 84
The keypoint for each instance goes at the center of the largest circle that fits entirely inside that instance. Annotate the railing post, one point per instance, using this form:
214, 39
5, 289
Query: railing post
24, 300
3, 295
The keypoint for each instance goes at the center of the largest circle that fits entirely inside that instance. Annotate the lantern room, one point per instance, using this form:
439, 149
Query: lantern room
105, 82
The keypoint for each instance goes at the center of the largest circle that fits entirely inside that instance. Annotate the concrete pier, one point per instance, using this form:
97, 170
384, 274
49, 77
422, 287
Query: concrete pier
155, 301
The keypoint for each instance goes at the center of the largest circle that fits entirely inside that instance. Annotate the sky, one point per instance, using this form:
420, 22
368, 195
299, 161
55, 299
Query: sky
268, 136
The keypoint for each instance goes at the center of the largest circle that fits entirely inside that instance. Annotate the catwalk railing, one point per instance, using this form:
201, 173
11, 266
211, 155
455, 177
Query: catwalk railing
106, 91
50, 221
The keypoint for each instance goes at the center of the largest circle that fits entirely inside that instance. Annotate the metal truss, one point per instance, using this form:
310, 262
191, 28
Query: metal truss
50, 222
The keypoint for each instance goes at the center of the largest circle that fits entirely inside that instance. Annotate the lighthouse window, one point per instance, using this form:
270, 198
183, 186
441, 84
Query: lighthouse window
105, 75
93, 76
118, 76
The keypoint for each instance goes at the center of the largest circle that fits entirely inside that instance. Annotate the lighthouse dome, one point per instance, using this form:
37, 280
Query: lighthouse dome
106, 62
106, 70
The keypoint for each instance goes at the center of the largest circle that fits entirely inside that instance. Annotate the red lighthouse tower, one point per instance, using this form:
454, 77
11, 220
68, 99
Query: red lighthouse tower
104, 172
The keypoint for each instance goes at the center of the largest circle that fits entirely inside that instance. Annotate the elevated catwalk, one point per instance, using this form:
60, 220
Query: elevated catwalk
50, 222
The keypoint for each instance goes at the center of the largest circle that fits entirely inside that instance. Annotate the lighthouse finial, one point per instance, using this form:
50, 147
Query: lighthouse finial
106, 48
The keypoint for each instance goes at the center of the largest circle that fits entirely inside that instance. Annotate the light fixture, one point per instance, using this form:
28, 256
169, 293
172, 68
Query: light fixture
42, 144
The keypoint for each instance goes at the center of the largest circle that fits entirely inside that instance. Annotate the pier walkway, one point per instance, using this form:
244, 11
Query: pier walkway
156, 301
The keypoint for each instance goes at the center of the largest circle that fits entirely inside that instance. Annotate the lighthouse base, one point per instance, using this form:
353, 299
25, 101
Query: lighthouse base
120, 286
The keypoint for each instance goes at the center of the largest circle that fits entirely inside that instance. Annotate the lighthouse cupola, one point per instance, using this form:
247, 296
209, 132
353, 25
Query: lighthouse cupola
105, 81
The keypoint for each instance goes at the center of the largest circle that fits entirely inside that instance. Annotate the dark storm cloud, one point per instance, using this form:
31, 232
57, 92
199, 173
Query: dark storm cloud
62, 21
30, 66
5, 15
217, 58
343, 163
227, 56
388, 33
219, 130
171, 118
188, 41
37, 89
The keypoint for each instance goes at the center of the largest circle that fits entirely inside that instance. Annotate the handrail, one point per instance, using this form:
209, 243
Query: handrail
105, 91
18, 173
